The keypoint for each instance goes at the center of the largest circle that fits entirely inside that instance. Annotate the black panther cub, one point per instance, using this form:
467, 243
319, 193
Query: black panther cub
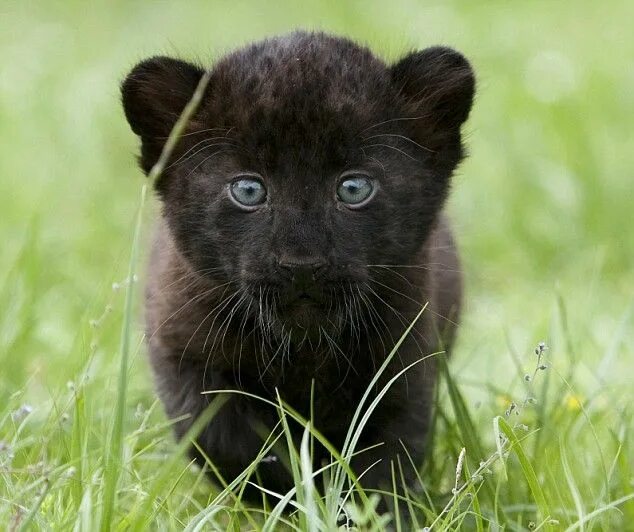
300, 235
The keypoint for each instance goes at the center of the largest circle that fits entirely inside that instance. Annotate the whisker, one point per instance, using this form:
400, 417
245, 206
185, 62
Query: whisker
365, 326
414, 301
395, 135
197, 297
387, 268
371, 314
198, 132
271, 360
391, 120
196, 274
242, 340
186, 156
428, 266
219, 309
212, 354
391, 148
208, 157
198, 328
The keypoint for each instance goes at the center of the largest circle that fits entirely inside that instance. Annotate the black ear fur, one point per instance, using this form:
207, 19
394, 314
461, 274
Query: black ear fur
438, 85
154, 95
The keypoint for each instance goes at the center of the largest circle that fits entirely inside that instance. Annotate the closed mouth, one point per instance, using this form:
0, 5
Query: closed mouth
303, 306
305, 299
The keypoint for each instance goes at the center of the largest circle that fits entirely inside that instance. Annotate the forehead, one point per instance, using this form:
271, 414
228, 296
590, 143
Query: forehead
302, 99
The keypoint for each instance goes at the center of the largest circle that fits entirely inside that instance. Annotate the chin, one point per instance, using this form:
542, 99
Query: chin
310, 321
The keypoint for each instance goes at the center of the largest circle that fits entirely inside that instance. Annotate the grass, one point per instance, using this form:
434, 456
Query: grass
542, 210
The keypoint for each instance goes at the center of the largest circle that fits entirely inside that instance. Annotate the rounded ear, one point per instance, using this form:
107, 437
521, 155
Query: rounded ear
155, 93
438, 85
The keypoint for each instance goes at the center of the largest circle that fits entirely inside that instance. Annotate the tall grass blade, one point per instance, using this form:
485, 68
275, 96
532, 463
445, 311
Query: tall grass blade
527, 468
114, 448
354, 430
572, 486
306, 462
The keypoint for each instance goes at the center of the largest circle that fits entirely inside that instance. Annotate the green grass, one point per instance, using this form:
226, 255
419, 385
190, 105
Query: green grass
542, 209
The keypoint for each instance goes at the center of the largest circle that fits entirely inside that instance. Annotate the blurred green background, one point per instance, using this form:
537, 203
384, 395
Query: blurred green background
543, 206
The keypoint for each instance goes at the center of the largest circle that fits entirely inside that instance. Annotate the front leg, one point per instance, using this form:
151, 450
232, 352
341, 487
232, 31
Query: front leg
230, 440
399, 430
394, 441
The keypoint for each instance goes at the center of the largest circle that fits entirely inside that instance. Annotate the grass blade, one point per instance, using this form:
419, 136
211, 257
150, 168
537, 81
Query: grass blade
114, 448
527, 468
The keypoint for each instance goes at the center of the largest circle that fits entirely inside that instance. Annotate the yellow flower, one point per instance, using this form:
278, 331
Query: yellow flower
503, 401
573, 402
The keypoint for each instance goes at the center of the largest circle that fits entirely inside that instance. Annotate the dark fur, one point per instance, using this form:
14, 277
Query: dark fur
299, 110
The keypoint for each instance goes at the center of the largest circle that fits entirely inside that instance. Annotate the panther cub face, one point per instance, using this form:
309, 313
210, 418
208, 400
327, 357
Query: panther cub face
309, 164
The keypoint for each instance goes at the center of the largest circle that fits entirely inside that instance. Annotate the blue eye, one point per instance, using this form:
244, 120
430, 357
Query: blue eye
248, 191
355, 189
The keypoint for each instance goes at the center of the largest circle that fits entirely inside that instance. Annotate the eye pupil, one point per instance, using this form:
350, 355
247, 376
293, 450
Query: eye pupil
248, 191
